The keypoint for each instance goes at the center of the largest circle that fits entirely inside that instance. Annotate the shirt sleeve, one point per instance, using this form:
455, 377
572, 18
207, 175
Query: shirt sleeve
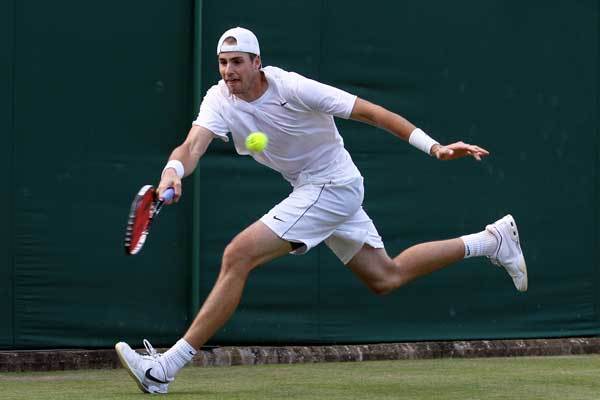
210, 116
323, 98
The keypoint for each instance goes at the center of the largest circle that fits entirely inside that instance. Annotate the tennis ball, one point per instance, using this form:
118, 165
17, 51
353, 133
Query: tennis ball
256, 142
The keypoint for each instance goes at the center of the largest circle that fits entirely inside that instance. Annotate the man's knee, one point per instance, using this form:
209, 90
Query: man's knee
236, 260
382, 287
381, 276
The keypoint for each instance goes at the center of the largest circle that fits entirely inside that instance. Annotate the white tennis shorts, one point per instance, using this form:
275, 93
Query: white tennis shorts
329, 212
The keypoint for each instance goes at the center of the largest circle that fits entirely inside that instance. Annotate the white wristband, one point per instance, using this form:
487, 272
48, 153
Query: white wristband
177, 166
421, 141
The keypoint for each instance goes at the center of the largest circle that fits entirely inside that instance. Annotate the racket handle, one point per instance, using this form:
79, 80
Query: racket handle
168, 194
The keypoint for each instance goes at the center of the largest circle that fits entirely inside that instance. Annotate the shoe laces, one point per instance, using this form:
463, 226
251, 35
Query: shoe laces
150, 350
156, 356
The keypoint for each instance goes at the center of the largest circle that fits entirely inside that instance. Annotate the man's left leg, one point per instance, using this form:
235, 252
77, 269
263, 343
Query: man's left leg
499, 241
383, 274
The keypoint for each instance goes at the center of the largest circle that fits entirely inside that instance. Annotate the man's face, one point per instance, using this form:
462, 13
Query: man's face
238, 71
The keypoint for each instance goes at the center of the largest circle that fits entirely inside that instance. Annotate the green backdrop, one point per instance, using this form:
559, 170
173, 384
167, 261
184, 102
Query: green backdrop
6, 166
95, 96
101, 93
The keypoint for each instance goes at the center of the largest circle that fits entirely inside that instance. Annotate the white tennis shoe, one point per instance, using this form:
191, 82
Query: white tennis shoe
147, 370
509, 254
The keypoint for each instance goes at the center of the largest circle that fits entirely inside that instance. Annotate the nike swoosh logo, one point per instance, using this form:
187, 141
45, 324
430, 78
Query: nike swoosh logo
283, 104
277, 218
152, 378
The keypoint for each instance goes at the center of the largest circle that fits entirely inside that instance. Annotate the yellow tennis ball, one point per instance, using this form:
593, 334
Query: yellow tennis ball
256, 142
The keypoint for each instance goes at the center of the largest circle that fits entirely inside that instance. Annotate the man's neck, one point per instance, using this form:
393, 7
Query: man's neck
258, 89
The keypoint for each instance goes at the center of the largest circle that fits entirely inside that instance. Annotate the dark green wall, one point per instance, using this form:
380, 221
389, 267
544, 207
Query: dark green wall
6, 174
519, 79
102, 94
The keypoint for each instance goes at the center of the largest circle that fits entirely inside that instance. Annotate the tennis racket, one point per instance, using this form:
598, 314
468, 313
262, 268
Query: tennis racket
144, 208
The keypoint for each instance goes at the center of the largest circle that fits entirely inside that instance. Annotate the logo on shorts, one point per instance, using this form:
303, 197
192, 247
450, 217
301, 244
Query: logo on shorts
277, 218
283, 103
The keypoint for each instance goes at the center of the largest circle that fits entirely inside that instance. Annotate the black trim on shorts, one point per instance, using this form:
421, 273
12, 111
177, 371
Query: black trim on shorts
305, 211
296, 245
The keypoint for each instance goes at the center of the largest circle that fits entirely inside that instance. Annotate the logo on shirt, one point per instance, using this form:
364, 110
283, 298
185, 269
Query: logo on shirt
277, 218
282, 104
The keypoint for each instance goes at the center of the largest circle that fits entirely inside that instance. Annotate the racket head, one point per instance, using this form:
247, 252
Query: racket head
140, 216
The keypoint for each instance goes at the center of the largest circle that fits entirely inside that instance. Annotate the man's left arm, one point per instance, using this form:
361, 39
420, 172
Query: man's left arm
399, 126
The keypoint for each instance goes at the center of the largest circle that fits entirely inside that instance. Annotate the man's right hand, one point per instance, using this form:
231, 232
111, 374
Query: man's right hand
170, 179
188, 153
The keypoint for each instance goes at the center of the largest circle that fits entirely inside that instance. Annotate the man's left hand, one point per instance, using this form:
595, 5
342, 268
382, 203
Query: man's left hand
458, 150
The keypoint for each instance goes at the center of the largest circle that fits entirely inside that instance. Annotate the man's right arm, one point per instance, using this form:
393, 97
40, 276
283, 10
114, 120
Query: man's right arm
188, 154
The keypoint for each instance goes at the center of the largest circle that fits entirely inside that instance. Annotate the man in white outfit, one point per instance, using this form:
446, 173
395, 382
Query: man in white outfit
325, 205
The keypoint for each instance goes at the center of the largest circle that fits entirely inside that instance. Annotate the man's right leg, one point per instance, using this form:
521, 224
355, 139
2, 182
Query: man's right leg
254, 246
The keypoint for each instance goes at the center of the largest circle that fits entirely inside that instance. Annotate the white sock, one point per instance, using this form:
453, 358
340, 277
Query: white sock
480, 244
176, 357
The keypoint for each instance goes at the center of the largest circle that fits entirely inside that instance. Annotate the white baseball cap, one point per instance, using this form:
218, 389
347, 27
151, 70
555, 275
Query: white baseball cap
246, 41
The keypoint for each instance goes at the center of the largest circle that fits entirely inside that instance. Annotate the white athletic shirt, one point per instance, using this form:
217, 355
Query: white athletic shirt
296, 113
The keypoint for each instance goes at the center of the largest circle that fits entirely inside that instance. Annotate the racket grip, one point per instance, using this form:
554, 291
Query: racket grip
168, 194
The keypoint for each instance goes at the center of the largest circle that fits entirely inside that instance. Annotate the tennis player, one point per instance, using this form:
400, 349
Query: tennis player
325, 205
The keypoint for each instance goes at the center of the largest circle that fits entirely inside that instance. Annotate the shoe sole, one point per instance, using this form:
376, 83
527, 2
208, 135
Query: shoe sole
129, 370
522, 265
523, 269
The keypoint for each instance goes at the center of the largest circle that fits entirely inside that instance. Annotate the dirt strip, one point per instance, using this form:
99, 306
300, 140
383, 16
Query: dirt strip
70, 359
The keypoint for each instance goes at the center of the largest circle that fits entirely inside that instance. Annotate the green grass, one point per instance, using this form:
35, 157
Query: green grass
524, 378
